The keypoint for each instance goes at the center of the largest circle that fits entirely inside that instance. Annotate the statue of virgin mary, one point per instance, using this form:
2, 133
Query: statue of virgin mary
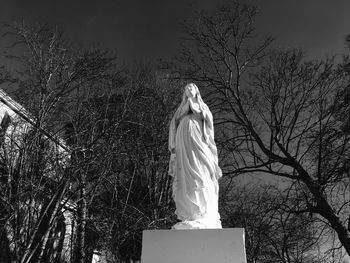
194, 163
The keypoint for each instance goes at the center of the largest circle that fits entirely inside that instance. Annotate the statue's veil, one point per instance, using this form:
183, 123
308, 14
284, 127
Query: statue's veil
208, 125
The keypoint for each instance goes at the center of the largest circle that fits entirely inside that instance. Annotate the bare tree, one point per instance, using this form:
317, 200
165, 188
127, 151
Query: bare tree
126, 185
142, 193
94, 132
115, 132
272, 234
37, 164
274, 113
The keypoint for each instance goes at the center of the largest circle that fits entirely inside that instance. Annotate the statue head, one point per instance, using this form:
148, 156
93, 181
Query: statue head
191, 90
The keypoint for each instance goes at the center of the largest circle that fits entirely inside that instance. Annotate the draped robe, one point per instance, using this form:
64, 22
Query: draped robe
194, 166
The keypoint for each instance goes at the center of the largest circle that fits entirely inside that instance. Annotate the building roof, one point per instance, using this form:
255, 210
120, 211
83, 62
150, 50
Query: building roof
24, 114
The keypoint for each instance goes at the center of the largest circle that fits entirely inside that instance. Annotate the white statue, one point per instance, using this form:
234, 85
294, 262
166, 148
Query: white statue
194, 163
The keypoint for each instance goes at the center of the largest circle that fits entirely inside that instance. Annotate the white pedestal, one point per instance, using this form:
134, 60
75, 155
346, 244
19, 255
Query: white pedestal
194, 246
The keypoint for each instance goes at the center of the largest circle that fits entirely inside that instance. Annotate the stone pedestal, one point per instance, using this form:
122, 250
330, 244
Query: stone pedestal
194, 246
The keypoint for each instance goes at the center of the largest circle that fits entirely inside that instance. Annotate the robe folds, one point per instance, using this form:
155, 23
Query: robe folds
194, 166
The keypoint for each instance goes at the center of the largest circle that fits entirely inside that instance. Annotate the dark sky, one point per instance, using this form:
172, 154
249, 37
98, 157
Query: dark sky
150, 29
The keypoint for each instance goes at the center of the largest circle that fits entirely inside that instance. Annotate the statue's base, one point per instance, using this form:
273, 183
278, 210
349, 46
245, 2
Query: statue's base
194, 246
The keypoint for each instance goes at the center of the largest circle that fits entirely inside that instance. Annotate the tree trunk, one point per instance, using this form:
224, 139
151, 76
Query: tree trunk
325, 210
82, 211
39, 239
